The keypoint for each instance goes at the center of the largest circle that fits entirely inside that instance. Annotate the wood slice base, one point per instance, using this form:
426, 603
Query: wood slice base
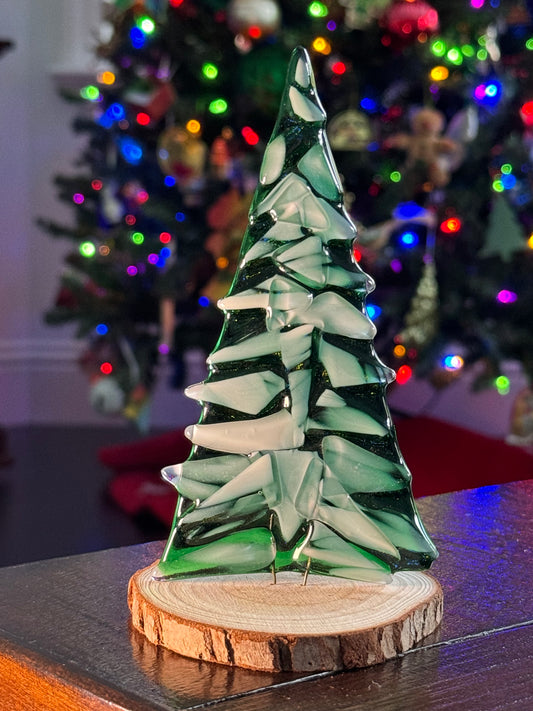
247, 621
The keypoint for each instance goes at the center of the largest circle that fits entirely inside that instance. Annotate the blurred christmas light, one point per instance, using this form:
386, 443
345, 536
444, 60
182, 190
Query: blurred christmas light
90, 92
165, 237
395, 176
153, 258
142, 196
321, 44
477, 4
317, 9
130, 220
338, 68
408, 210
454, 56
179, 217
165, 253
106, 77
175, 3
169, 181
137, 37
439, 73
203, 301
250, 136
488, 94
399, 351
373, 311
130, 149
163, 348
506, 297
143, 119
104, 250
526, 113
132, 270
498, 186
482, 54
210, 71
146, 24
193, 126
396, 266
468, 50
451, 225
137, 237
530, 241
106, 368
87, 249
101, 329
78, 198
529, 43
438, 47
508, 181
357, 254
403, 374
452, 362
255, 32
332, 25
502, 384
218, 106
409, 239
116, 111
222, 262
96, 184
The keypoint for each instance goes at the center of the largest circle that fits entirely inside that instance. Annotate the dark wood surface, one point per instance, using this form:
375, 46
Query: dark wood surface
66, 641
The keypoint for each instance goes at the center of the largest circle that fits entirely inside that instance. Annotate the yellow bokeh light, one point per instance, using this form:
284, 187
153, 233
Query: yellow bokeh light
222, 262
106, 78
530, 241
439, 73
321, 44
193, 126
399, 351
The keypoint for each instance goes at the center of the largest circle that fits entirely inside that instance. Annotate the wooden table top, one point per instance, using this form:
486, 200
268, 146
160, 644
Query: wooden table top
66, 642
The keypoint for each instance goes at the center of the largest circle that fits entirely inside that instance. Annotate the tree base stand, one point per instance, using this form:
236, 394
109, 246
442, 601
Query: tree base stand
247, 621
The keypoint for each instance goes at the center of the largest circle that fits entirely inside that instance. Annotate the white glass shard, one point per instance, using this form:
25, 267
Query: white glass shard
288, 301
308, 247
253, 347
299, 386
277, 431
326, 546
344, 369
320, 172
347, 419
260, 249
293, 493
359, 470
254, 478
333, 314
337, 276
283, 231
330, 399
402, 532
214, 470
273, 161
303, 74
247, 393
356, 527
304, 108
295, 345
249, 299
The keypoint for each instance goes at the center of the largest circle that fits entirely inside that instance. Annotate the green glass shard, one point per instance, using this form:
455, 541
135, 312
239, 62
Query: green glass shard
295, 463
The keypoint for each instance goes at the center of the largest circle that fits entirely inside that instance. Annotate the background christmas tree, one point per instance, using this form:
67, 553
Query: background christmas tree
430, 112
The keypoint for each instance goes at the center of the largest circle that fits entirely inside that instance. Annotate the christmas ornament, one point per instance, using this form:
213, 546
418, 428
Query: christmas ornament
361, 13
253, 18
182, 155
521, 433
349, 131
421, 320
428, 151
505, 234
405, 20
106, 396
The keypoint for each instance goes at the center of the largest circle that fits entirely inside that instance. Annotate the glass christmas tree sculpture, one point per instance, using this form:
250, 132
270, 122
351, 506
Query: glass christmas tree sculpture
295, 464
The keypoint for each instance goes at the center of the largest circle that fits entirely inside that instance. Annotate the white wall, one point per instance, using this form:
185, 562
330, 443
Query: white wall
39, 379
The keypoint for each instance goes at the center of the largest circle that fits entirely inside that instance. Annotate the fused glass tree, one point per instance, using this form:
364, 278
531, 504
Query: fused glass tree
295, 464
